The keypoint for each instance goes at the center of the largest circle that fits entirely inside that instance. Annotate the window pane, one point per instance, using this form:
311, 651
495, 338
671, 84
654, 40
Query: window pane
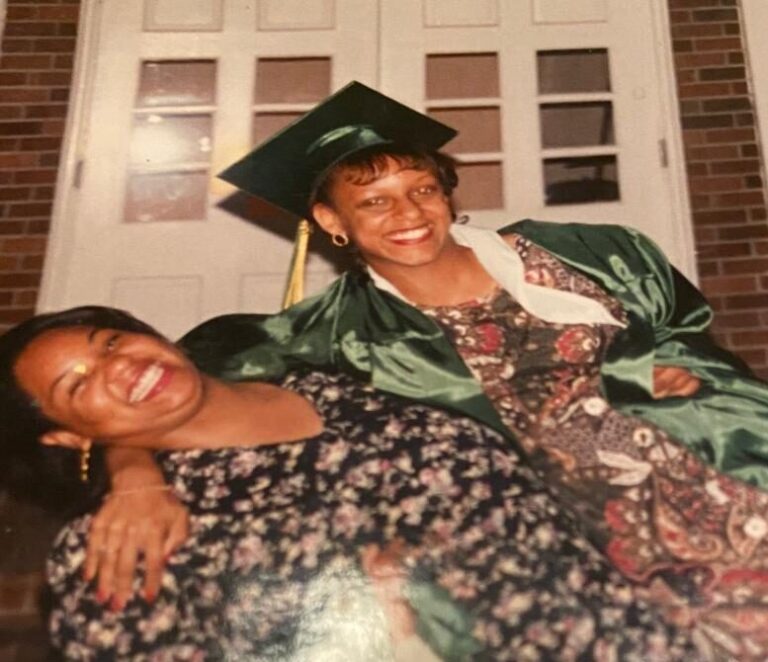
158, 139
292, 80
567, 71
462, 75
480, 186
581, 180
166, 197
571, 124
266, 124
177, 83
479, 128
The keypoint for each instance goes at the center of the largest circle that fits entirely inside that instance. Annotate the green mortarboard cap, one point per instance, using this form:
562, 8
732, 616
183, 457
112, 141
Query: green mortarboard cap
284, 168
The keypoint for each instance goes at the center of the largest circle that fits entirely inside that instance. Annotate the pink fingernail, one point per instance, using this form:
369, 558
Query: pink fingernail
116, 604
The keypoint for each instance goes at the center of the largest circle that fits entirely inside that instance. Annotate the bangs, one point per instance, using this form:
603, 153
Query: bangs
362, 169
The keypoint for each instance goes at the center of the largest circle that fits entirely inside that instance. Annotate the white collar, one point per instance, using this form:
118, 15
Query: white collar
505, 266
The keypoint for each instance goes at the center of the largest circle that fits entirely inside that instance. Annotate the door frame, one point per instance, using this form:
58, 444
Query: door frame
59, 248
755, 15
672, 149
71, 162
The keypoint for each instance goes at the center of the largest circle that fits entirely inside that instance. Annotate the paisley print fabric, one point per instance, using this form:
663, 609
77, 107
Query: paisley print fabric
689, 538
399, 533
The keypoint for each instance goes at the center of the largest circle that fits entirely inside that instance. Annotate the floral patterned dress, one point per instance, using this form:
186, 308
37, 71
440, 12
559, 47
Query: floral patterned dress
691, 539
399, 533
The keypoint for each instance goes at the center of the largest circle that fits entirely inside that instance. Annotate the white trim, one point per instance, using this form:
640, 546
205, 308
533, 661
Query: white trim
672, 130
60, 240
3, 16
754, 20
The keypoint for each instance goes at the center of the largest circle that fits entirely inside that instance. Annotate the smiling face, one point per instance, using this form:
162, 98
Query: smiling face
121, 388
398, 220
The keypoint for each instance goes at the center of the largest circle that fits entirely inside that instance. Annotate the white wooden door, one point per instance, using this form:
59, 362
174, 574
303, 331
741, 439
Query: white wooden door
565, 107
171, 91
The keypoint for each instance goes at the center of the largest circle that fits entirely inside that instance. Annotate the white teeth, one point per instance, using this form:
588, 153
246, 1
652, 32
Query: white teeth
146, 383
407, 235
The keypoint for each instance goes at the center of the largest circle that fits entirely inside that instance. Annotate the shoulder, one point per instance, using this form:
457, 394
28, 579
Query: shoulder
590, 242
533, 229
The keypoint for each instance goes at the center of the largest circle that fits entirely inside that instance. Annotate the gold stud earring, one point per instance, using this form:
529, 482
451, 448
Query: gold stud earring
339, 240
80, 369
85, 462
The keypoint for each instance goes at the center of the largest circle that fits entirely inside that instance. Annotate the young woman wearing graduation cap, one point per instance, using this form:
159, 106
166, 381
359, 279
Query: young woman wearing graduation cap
567, 337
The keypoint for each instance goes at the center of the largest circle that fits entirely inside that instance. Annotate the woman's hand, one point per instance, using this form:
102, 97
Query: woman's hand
672, 381
139, 517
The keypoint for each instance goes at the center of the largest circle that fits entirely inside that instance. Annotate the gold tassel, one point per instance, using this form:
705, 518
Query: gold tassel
294, 292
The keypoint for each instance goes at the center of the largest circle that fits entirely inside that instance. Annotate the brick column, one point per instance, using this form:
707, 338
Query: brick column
35, 73
724, 174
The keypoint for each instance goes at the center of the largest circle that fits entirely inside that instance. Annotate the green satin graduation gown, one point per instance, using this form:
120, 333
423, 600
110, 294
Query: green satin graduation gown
357, 328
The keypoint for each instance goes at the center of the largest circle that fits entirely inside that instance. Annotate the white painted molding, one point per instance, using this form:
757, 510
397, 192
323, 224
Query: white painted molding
66, 197
754, 20
672, 132
3, 12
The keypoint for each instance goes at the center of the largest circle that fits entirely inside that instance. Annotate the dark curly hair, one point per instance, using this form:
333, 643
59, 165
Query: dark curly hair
365, 166
31, 471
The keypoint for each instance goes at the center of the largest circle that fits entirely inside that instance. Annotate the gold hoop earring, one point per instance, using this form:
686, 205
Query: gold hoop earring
339, 240
85, 462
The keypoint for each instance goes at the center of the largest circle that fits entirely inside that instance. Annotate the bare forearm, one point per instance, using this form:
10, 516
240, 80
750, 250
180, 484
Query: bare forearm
130, 468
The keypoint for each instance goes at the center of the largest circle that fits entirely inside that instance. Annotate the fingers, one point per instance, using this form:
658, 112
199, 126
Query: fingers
686, 387
109, 556
673, 381
125, 560
128, 528
177, 533
97, 535
154, 564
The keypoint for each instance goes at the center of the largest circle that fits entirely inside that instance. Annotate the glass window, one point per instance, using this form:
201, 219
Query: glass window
462, 91
166, 197
285, 88
565, 71
292, 80
176, 83
171, 141
462, 75
159, 139
479, 128
576, 116
481, 186
581, 180
577, 124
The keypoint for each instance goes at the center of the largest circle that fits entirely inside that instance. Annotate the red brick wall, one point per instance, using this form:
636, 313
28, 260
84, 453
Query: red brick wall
723, 160
35, 72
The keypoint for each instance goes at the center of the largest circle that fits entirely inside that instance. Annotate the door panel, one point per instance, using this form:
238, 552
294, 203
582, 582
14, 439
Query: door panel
175, 97
570, 91
558, 104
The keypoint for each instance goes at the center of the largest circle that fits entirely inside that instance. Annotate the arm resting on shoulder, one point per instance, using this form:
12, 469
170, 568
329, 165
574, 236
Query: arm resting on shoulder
140, 516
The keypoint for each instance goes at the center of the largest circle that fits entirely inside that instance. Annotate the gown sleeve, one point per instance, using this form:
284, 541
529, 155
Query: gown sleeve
726, 421
354, 328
